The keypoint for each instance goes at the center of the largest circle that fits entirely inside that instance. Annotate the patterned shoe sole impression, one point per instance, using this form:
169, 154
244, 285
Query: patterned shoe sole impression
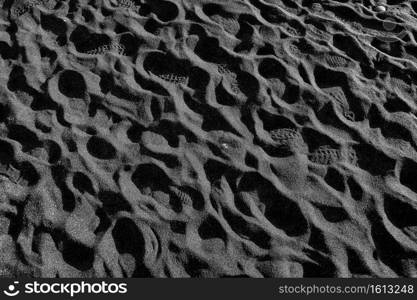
129, 5
231, 146
113, 47
173, 78
294, 50
287, 138
24, 7
335, 61
267, 32
10, 182
182, 196
225, 71
230, 25
340, 101
292, 10
325, 155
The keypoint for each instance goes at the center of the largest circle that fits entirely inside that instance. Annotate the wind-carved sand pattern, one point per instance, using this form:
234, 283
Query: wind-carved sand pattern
208, 138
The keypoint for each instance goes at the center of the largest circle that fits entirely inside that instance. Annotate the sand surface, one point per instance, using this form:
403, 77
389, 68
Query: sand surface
197, 138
